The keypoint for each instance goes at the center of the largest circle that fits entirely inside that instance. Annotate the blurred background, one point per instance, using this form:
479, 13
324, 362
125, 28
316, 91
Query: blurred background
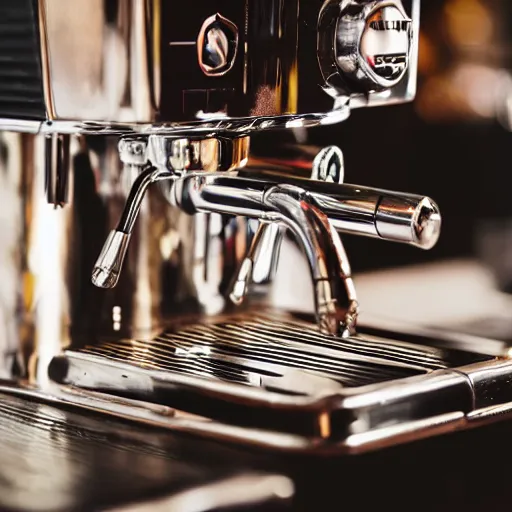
453, 144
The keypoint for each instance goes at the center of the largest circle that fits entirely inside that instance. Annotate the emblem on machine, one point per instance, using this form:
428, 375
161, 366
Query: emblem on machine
363, 47
385, 43
217, 45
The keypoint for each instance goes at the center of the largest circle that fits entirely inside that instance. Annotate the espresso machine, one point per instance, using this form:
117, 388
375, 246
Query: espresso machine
143, 240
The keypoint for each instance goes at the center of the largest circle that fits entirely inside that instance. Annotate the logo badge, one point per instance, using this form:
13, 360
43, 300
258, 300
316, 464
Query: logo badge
385, 43
217, 45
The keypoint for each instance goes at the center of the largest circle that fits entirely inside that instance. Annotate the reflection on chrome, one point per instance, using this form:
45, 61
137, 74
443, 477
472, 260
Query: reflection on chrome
142, 242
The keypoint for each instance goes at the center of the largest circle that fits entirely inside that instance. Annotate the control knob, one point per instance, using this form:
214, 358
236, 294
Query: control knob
363, 46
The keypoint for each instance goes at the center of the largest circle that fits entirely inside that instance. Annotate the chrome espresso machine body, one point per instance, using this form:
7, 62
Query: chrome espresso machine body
142, 238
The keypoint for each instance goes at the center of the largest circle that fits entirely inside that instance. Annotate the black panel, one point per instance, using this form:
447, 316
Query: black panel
21, 84
193, 91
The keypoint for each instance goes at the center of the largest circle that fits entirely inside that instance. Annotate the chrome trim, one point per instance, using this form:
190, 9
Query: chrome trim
222, 124
107, 269
393, 221
376, 415
142, 413
181, 154
352, 209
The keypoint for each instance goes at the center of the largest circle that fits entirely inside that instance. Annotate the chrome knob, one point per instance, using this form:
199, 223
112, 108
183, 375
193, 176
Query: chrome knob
329, 165
217, 45
363, 46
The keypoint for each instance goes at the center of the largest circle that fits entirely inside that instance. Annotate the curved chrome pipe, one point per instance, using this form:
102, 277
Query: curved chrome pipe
110, 261
260, 263
382, 214
364, 211
335, 301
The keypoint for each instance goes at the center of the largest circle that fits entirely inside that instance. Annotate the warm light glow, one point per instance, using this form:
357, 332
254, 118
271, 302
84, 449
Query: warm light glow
427, 57
468, 22
116, 314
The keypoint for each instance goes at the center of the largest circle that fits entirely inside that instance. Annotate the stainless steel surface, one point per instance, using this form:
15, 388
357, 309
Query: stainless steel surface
140, 93
367, 392
210, 350
33, 253
180, 422
352, 209
48, 253
108, 267
136, 62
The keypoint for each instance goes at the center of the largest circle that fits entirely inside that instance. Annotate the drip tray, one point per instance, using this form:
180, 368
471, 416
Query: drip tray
276, 374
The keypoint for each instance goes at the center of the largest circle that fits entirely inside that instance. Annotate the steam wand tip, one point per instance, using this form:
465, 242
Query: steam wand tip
242, 281
108, 267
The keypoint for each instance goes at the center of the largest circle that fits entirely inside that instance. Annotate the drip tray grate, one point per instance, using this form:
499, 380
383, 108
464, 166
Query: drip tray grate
286, 355
273, 380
